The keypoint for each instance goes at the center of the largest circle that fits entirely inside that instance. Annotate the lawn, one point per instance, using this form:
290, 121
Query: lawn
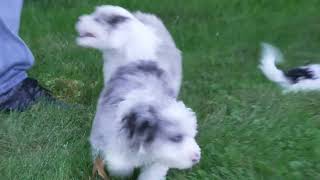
248, 129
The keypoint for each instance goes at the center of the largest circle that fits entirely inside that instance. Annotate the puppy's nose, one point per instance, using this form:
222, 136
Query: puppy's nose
195, 158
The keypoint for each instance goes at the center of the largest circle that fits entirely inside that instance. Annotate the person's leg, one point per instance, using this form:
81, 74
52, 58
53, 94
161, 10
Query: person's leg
17, 91
15, 56
10, 11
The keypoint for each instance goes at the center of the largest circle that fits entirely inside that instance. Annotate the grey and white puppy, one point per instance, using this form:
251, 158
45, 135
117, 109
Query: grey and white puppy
139, 123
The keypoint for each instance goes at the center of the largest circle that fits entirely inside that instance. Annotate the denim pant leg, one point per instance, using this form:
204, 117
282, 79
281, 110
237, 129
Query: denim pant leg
15, 56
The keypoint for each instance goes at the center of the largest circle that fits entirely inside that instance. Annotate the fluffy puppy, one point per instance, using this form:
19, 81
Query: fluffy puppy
139, 123
303, 78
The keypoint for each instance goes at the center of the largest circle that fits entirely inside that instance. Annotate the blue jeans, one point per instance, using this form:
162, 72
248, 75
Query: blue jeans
15, 56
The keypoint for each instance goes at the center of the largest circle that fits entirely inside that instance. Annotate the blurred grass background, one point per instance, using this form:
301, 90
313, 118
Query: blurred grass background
247, 128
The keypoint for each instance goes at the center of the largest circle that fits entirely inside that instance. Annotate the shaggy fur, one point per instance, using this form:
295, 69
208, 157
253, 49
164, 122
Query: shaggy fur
139, 122
303, 78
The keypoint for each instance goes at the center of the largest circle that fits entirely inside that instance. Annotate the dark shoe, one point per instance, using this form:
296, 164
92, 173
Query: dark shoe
24, 95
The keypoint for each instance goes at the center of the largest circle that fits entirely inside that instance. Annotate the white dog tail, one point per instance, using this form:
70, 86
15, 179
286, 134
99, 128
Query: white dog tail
269, 58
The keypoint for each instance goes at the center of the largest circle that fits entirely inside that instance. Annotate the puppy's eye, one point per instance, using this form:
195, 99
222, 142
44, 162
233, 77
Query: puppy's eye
176, 139
112, 20
116, 20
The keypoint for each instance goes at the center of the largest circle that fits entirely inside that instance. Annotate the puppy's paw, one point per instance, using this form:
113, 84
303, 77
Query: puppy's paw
98, 167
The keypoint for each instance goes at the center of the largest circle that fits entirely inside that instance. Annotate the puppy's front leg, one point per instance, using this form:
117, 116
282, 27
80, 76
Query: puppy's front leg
98, 167
153, 172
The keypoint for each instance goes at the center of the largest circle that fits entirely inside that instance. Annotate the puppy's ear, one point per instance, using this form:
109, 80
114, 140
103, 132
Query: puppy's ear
141, 125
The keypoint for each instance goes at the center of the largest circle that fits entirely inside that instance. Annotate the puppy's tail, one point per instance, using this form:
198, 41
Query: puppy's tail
269, 58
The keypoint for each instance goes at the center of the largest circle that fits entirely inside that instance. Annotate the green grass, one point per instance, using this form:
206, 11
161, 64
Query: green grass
247, 128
